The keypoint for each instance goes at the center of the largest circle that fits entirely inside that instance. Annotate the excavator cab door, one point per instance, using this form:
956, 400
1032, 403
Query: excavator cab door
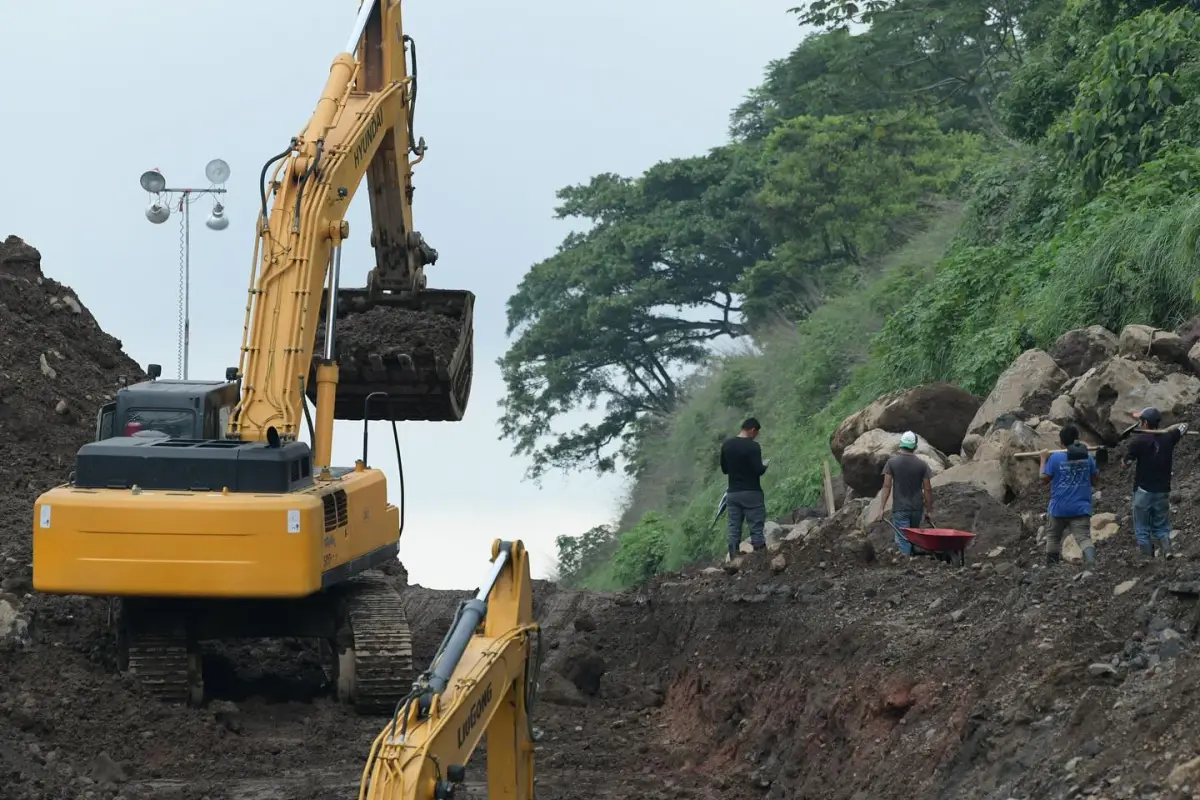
106, 422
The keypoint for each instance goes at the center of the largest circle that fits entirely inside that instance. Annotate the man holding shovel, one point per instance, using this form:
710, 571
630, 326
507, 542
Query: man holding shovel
1153, 451
1071, 475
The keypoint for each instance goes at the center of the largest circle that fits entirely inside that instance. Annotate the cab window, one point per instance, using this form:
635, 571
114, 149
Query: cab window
176, 423
223, 414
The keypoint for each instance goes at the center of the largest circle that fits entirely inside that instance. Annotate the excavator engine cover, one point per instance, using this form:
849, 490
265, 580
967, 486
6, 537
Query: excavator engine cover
418, 349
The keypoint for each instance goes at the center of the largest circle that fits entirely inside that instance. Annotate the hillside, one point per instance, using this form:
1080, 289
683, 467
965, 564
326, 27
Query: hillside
916, 203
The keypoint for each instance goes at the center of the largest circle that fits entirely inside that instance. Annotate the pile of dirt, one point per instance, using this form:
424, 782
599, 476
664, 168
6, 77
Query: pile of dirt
394, 331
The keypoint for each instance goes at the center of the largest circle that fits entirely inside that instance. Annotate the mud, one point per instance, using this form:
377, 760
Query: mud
385, 331
830, 670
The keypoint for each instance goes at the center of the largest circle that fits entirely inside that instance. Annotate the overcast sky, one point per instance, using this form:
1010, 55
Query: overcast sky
516, 100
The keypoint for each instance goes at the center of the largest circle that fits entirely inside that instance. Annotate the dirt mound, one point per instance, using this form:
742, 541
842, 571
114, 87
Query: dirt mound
385, 330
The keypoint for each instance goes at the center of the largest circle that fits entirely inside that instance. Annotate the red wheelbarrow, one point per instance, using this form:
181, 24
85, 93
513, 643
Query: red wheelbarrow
943, 544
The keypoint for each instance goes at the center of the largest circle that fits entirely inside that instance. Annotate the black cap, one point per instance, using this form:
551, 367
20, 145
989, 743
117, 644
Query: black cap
1149, 415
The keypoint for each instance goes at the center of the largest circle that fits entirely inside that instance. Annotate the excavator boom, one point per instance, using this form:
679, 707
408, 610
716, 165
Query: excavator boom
482, 681
361, 128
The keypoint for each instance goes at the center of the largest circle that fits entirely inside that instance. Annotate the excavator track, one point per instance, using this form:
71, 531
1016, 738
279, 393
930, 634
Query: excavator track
382, 651
166, 668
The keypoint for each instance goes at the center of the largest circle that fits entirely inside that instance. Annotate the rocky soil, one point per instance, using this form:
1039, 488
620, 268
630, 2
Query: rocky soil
826, 668
386, 331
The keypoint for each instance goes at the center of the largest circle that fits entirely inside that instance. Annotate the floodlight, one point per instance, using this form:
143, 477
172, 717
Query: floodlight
217, 171
218, 221
153, 181
158, 212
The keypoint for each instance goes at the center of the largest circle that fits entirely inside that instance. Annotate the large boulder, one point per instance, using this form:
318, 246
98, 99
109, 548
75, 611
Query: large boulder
1106, 398
985, 475
1079, 350
1142, 341
937, 412
1030, 384
862, 461
1002, 446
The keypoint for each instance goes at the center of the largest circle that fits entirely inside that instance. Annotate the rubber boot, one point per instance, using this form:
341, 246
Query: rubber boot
1053, 559
1147, 549
1089, 556
1164, 547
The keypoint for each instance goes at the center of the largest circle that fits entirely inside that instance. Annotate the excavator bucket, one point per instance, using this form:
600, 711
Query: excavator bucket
418, 350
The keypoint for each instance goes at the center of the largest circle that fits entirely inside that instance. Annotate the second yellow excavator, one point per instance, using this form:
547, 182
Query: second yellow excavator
220, 522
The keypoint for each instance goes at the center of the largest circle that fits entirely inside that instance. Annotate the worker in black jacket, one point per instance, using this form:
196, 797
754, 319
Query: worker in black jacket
742, 461
1153, 453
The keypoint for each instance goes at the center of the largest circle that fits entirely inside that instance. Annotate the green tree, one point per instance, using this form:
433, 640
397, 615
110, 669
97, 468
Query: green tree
1143, 90
838, 192
609, 321
579, 556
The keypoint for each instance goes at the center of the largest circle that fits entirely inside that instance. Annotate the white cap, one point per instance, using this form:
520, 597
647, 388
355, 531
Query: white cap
908, 440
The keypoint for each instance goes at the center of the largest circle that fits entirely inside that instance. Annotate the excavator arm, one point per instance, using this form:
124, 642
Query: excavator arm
362, 127
482, 681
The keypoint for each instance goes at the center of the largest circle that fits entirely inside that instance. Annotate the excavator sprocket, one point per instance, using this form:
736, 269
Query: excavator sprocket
416, 349
381, 656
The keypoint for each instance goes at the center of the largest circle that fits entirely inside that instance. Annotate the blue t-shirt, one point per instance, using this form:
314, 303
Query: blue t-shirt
1070, 484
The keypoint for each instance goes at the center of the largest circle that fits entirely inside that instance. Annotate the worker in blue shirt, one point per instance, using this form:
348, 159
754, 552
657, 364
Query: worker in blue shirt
1071, 475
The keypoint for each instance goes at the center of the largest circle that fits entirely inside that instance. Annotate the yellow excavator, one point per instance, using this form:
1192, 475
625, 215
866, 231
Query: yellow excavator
483, 680
199, 511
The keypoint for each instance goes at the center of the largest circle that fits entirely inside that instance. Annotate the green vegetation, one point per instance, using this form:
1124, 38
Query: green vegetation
920, 201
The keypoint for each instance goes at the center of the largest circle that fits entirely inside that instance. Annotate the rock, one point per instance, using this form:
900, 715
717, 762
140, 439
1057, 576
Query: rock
1141, 341
1104, 527
801, 530
71, 303
14, 625
779, 563
61, 408
987, 475
1002, 444
773, 532
862, 461
227, 714
584, 623
957, 615
856, 547
746, 548
1106, 398
1123, 587
970, 444
1101, 670
1185, 773
583, 667
798, 515
1079, 350
106, 771
1170, 644
937, 412
1062, 410
711, 571
557, 690
1193, 358
1033, 380
47, 370
1135, 340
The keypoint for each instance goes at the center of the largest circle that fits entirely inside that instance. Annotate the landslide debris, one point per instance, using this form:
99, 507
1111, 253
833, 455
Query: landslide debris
385, 331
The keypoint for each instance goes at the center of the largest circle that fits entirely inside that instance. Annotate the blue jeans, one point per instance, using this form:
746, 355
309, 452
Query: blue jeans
1151, 515
906, 519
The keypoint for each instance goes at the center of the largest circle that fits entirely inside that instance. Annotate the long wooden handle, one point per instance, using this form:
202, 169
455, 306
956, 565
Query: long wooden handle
1037, 453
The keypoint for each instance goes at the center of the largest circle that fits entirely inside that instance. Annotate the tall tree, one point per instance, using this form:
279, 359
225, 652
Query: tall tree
941, 53
612, 317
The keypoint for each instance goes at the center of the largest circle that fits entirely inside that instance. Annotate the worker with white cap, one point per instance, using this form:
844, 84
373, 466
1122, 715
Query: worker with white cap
910, 476
1153, 450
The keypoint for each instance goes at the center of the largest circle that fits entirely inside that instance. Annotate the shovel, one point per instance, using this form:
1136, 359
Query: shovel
720, 510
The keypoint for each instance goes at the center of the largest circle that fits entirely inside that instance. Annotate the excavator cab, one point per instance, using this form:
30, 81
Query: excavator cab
416, 348
176, 409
